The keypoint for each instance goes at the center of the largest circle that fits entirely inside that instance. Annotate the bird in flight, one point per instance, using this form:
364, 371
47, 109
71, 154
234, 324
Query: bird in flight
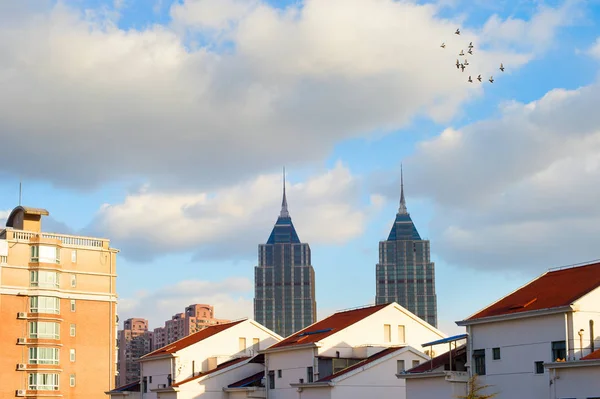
470, 80
462, 53
470, 51
501, 67
471, 45
457, 31
479, 78
491, 79
466, 62
443, 45
457, 64
462, 67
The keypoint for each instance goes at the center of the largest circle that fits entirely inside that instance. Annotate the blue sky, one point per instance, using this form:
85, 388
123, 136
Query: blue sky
164, 126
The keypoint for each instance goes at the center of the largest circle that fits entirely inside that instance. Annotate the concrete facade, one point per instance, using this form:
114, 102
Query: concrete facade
134, 342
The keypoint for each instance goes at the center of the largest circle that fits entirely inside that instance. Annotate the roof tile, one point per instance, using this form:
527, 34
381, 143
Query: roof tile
218, 368
366, 361
438, 361
592, 356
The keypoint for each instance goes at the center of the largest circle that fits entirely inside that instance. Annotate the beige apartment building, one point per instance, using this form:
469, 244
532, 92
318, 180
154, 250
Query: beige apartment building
58, 306
134, 342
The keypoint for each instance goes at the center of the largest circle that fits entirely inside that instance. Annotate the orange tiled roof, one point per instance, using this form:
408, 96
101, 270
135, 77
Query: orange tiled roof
219, 367
595, 355
192, 339
366, 361
328, 326
551, 290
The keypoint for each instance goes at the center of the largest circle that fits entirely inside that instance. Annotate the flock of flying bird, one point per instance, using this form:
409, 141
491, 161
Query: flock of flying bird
464, 64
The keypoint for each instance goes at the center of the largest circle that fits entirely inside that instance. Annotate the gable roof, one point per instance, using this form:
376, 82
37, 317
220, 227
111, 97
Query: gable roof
362, 363
438, 361
192, 339
220, 367
595, 355
552, 289
131, 387
248, 380
328, 326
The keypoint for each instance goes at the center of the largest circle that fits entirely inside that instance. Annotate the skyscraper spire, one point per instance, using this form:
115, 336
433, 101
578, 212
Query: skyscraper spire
284, 208
402, 209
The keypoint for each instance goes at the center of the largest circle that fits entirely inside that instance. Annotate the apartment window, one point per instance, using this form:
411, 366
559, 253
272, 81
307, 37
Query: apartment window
43, 382
559, 350
496, 353
44, 304
145, 385
479, 361
72, 330
72, 380
271, 379
72, 355
43, 355
242, 344
400, 368
401, 333
387, 333
44, 254
278, 373
73, 280
43, 279
74, 256
539, 367
255, 345
169, 380
309, 374
415, 363
72, 305
44, 329
149, 379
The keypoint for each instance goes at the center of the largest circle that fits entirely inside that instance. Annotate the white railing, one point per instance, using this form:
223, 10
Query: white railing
75, 241
457, 376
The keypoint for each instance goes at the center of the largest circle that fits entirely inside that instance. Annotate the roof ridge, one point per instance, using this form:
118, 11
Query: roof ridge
574, 265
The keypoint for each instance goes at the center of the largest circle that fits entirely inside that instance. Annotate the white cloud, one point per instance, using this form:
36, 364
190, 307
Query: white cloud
517, 191
112, 103
594, 50
230, 298
3, 217
325, 209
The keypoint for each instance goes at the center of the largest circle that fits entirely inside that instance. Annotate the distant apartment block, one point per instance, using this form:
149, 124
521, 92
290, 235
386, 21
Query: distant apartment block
134, 342
58, 304
195, 318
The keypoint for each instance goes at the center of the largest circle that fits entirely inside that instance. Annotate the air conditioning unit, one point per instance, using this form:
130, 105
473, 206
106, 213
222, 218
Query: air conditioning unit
21, 366
21, 315
21, 341
21, 392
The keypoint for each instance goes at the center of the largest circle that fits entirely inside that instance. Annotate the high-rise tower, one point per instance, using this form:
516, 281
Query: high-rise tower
405, 273
284, 287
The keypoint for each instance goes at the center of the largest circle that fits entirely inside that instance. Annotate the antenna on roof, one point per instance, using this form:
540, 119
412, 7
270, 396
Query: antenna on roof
20, 191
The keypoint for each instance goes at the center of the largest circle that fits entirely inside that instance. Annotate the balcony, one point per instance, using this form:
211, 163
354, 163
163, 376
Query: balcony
66, 240
456, 376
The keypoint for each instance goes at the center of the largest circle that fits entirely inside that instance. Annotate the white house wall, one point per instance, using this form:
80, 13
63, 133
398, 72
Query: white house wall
522, 342
159, 369
580, 382
314, 393
212, 388
433, 388
293, 364
589, 309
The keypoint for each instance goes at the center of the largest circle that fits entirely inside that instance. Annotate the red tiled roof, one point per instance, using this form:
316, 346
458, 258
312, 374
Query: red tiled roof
218, 368
595, 355
131, 387
192, 339
366, 361
438, 361
326, 327
248, 380
551, 290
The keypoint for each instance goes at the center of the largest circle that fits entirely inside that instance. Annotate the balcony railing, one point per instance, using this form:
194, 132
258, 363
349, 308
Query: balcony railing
67, 240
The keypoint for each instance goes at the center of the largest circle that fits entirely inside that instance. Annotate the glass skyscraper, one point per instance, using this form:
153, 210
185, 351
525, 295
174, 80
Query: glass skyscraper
284, 280
405, 273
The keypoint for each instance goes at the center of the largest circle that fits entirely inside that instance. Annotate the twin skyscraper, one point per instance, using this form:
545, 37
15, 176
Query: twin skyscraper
284, 280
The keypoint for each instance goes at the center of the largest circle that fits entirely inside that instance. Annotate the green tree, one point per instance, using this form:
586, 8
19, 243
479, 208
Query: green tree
474, 390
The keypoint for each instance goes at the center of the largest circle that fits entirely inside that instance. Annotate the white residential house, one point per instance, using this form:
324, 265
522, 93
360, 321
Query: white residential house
550, 319
443, 377
201, 364
576, 379
350, 354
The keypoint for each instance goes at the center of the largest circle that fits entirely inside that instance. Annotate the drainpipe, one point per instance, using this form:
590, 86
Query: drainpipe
580, 332
592, 336
266, 376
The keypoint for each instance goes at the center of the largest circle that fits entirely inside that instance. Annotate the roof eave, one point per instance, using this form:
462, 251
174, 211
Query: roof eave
290, 347
428, 374
242, 389
156, 357
573, 363
320, 384
519, 315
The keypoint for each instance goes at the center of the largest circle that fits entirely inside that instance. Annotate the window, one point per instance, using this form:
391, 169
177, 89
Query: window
278, 373
539, 367
150, 379
44, 304
496, 353
387, 333
72, 355
255, 345
400, 366
73, 280
479, 361
242, 344
44, 254
415, 363
72, 380
43, 382
74, 256
145, 385
72, 330
271, 379
559, 350
309, 374
44, 329
401, 337
43, 355
169, 380
43, 279
72, 305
